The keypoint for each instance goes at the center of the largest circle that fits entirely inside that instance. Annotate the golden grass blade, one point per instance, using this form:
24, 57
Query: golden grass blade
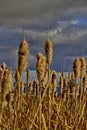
44, 122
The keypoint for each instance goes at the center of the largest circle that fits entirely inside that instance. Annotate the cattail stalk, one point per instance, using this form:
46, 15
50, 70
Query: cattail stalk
40, 68
28, 76
49, 53
76, 68
6, 87
29, 88
83, 67
84, 81
23, 53
54, 83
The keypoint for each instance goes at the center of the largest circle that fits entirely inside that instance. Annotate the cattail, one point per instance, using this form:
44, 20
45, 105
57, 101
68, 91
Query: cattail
22, 63
48, 51
23, 48
62, 77
40, 66
35, 88
17, 76
63, 73
84, 83
45, 79
6, 83
73, 88
64, 85
1, 75
61, 84
3, 66
64, 90
76, 68
23, 56
28, 76
54, 83
76, 90
72, 76
22, 88
83, 67
71, 84
54, 80
29, 87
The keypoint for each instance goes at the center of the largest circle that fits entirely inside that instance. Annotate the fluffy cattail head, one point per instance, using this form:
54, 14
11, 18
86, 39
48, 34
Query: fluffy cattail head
45, 79
83, 67
23, 48
6, 82
3, 66
84, 83
71, 85
40, 66
54, 75
23, 56
54, 80
22, 63
76, 67
48, 51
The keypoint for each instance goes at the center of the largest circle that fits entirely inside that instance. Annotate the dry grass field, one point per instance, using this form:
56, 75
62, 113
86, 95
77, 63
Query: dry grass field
41, 107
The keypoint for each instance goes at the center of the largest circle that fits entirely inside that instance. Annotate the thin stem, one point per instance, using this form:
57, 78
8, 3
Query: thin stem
40, 103
49, 100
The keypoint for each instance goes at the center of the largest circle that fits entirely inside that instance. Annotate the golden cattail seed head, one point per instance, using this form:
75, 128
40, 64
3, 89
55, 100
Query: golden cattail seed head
6, 82
3, 66
23, 53
54, 75
48, 51
83, 67
23, 48
22, 63
76, 67
54, 80
40, 66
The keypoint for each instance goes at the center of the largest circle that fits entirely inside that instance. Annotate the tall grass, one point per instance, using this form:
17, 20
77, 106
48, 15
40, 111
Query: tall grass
41, 107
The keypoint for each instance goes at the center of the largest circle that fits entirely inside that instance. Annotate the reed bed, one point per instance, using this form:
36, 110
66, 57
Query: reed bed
38, 105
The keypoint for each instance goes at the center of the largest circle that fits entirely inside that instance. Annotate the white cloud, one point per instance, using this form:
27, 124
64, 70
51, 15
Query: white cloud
65, 24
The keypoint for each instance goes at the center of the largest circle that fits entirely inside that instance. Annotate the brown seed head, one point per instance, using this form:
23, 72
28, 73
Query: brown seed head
76, 67
23, 56
48, 51
40, 66
3, 66
83, 67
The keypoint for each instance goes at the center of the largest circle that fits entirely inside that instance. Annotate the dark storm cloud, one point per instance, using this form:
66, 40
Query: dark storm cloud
27, 12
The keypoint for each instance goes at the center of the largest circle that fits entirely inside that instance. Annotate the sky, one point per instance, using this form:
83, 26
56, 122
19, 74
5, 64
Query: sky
64, 22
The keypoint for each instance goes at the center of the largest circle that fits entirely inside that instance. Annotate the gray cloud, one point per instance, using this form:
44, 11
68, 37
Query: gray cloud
27, 12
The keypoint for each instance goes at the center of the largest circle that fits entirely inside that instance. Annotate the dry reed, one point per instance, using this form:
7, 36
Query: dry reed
41, 106
40, 66
48, 51
76, 67
23, 53
83, 67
